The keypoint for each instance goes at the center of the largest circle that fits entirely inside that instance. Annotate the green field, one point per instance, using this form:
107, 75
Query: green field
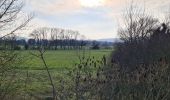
60, 59
60, 63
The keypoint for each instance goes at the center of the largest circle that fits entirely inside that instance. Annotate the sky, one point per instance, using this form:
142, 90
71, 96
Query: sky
96, 19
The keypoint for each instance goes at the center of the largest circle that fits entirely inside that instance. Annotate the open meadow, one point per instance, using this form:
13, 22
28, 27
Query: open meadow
59, 59
32, 72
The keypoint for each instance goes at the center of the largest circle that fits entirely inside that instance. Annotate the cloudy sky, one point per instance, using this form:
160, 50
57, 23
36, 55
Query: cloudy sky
95, 19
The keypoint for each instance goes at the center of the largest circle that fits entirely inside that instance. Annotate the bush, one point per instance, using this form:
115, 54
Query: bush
17, 48
98, 80
130, 55
26, 46
95, 47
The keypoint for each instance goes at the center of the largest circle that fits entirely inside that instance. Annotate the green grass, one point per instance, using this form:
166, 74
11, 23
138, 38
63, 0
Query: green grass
60, 63
60, 59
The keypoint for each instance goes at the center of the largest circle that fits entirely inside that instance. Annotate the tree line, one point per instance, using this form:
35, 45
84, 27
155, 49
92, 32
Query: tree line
52, 39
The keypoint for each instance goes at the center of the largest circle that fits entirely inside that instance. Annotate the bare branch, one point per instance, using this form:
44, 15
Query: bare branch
19, 27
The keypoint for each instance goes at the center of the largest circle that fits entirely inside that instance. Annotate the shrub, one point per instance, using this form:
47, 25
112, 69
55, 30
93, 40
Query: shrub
109, 81
17, 48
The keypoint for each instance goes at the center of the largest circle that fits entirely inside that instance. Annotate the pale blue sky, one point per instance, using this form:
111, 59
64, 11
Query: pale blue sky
94, 18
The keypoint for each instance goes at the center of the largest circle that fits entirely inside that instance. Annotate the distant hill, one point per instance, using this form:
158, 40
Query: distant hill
21, 38
113, 40
109, 40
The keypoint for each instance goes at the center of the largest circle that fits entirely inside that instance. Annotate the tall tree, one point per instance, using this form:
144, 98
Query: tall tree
137, 24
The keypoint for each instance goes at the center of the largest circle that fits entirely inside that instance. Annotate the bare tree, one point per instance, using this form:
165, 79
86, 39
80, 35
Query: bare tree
10, 17
54, 37
137, 24
62, 38
75, 34
82, 41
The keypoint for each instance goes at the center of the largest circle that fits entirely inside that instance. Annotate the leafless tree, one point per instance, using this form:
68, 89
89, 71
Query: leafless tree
75, 36
138, 24
62, 38
10, 17
54, 37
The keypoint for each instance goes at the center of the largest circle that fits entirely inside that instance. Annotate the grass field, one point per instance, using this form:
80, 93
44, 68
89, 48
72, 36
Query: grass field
60, 59
60, 63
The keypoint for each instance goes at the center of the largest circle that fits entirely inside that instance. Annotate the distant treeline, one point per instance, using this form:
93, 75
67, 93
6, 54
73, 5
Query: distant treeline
52, 39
